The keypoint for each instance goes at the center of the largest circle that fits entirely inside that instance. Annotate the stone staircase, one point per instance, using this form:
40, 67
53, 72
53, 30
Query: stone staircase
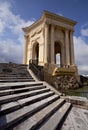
33, 105
14, 73
30, 101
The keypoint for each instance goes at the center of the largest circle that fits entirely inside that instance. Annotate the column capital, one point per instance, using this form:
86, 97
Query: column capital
46, 25
41, 44
71, 32
67, 30
26, 36
52, 24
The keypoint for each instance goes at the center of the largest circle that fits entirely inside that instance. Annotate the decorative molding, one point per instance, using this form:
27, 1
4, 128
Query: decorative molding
37, 32
26, 36
33, 34
35, 40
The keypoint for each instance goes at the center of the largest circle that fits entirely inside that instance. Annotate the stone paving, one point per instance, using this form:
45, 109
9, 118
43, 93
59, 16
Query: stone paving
77, 119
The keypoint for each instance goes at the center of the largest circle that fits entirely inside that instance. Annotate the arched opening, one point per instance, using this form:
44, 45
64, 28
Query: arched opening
35, 53
58, 59
57, 47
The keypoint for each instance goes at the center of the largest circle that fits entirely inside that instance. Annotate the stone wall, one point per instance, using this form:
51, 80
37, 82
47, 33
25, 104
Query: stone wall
65, 82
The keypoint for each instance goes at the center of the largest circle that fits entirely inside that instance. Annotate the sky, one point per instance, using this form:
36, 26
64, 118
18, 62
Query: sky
16, 14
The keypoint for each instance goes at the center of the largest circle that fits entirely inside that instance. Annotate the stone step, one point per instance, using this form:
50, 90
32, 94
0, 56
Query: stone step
14, 97
13, 74
40, 117
10, 119
9, 107
17, 80
56, 120
20, 90
14, 71
4, 86
4, 78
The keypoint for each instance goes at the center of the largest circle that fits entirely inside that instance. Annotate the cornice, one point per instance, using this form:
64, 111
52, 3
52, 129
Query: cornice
59, 18
35, 24
48, 15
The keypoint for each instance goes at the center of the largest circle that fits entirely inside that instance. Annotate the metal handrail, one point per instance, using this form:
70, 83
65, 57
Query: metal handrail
37, 70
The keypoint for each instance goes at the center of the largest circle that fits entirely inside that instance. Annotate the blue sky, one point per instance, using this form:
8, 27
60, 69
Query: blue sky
15, 14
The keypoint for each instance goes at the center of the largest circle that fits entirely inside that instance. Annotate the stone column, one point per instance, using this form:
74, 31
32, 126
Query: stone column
72, 48
52, 45
46, 43
67, 47
25, 49
62, 56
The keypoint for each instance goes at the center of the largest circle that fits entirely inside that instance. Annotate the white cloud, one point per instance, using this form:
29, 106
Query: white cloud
1, 26
4, 14
11, 49
84, 32
81, 54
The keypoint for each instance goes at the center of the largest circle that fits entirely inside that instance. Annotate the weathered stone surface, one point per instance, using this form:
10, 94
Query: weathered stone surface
75, 100
76, 120
14, 97
55, 120
39, 117
66, 82
23, 112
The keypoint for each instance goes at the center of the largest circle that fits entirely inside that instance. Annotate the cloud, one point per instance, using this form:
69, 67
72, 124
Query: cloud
81, 54
10, 51
11, 34
84, 32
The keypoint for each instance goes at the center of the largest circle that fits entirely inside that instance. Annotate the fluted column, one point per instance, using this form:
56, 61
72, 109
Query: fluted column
52, 45
67, 47
46, 43
25, 49
72, 48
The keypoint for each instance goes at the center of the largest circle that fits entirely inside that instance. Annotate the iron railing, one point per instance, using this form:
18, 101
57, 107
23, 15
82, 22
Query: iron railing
37, 70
